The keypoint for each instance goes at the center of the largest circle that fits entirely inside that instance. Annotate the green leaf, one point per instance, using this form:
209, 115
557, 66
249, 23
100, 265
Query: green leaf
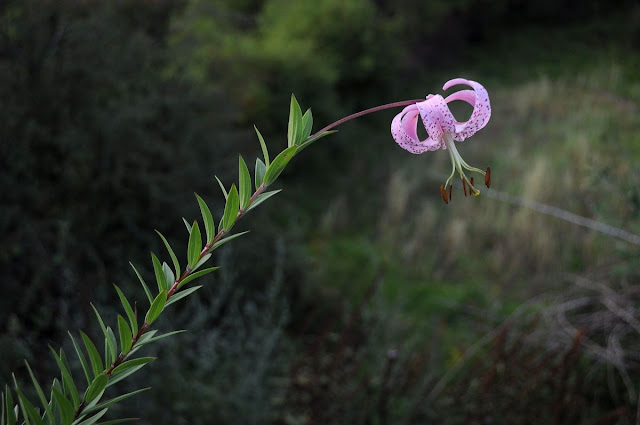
94, 355
117, 421
196, 275
230, 209
261, 169
315, 138
109, 343
307, 124
82, 358
125, 335
278, 164
174, 259
195, 245
114, 400
128, 368
156, 338
224, 191
186, 224
180, 295
67, 379
161, 278
28, 410
295, 123
132, 363
144, 285
97, 387
156, 307
93, 419
11, 412
263, 197
263, 145
207, 219
200, 262
65, 406
168, 274
227, 239
41, 396
244, 183
131, 315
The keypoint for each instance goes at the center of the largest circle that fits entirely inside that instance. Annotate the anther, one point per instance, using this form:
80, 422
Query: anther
464, 186
443, 192
450, 187
487, 177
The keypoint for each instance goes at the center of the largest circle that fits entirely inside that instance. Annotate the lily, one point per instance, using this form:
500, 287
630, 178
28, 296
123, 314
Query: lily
444, 130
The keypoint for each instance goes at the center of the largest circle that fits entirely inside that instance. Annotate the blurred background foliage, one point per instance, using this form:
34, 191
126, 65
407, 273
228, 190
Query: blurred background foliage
359, 298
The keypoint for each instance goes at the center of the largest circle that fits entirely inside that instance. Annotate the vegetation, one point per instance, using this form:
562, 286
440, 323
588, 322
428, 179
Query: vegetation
359, 297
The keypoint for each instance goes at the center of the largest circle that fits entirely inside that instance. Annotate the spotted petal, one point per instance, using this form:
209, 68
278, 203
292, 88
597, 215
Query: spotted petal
437, 118
404, 132
478, 98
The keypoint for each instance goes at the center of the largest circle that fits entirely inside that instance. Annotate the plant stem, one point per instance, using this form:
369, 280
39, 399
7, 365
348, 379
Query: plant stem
366, 112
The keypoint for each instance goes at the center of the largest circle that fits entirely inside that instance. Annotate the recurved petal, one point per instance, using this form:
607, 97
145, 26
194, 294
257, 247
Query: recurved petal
404, 132
478, 98
437, 119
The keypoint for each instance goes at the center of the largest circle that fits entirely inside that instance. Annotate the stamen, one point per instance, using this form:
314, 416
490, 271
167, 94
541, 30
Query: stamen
464, 186
443, 192
487, 177
450, 187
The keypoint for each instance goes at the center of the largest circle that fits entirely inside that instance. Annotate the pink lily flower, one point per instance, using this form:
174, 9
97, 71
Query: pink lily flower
443, 129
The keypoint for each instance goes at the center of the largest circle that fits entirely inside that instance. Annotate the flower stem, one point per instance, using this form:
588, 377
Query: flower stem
366, 112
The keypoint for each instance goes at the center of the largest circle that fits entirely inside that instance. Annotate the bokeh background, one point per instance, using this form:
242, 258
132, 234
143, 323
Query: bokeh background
358, 297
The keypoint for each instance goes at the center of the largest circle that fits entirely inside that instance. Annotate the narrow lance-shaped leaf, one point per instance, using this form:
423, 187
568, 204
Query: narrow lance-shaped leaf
168, 274
174, 259
278, 165
82, 358
143, 283
156, 307
195, 245
227, 239
161, 278
12, 414
230, 209
207, 218
200, 262
64, 405
110, 346
295, 123
263, 145
307, 124
131, 315
196, 275
67, 380
94, 355
244, 184
261, 169
93, 419
111, 342
125, 335
180, 295
263, 197
41, 396
97, 386
186, 224
224, 191
28, 410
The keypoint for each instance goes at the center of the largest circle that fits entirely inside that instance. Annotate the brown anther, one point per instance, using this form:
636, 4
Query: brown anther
443, 192
450, 187
464, 186
472, 188
487, 177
